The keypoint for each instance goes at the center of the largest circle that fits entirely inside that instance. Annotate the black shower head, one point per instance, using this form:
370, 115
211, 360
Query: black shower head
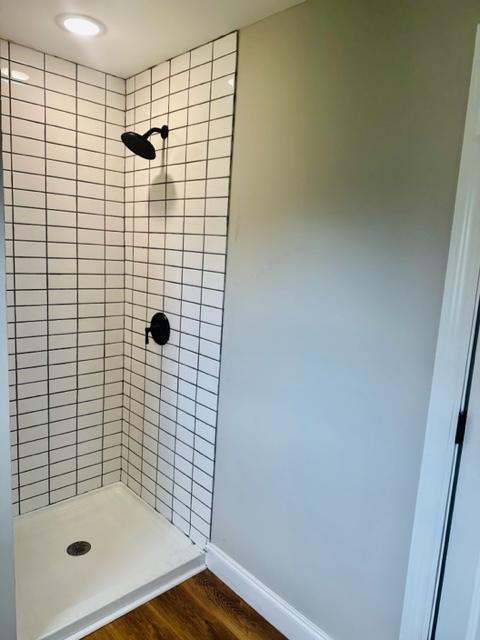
140, 144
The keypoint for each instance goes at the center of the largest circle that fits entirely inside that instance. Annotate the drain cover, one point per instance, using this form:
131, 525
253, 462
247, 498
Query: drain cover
79, 548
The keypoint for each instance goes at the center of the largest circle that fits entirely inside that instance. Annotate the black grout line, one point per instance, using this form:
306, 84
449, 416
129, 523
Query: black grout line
172, 75
139, 334
201, 297
223, 308
182, 273
67, 146
105, 287
124, 328
125, 80
127, 349
126, 110
47, 304
51, 55
81, 164
77, 280
14, 280
104, 183
145, 317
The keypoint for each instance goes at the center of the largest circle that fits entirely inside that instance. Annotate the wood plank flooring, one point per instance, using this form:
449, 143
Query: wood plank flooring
202, 608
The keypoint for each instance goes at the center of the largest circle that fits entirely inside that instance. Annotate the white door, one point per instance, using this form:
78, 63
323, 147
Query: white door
459, 599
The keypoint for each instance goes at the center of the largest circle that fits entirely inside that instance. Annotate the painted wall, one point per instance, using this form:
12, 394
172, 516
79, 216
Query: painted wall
175, 241
348, 132
64, 195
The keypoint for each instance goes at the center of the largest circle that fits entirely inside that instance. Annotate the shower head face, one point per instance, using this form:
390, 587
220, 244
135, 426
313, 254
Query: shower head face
139, 145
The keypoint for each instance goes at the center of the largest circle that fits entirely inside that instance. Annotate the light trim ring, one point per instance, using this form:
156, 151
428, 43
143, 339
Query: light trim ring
80, 25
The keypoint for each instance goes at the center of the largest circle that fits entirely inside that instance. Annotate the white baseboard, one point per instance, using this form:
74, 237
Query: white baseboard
279, 613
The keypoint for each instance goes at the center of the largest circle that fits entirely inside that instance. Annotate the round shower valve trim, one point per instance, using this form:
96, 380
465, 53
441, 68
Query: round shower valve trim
159, 329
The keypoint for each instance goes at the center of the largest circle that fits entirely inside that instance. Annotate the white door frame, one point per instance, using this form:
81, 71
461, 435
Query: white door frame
460, 301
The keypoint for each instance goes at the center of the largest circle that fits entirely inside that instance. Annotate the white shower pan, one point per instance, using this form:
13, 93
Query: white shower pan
135, 555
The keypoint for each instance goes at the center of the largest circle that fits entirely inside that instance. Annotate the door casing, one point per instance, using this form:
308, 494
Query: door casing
454, 345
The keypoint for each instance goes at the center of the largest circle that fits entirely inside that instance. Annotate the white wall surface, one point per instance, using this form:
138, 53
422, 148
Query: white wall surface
348, 129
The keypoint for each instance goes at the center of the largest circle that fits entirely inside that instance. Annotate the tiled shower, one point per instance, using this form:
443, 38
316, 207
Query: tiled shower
176, 211
97, 241
64, 194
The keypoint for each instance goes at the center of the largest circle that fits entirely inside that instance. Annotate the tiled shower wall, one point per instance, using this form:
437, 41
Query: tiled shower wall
175, 242
64, 193
90, 261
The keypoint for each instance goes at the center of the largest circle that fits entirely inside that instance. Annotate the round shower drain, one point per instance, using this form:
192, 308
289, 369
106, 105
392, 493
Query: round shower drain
79, 548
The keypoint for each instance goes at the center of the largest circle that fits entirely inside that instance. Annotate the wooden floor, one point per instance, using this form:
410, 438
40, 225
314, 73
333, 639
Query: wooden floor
202, 608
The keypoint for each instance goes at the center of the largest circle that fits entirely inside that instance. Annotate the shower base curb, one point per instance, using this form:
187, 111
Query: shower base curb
127, 603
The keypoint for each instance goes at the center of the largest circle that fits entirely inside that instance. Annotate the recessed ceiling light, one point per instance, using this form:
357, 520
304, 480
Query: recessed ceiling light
80, 25
14, 74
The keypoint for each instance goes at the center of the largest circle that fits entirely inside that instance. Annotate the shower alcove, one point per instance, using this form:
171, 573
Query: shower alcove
113, 440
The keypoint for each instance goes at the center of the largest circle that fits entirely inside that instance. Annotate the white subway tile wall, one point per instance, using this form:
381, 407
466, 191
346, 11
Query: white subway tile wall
98, 240
176, 210
64, 172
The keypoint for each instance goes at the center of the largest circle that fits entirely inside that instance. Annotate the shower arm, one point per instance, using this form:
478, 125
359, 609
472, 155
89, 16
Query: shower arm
163, 131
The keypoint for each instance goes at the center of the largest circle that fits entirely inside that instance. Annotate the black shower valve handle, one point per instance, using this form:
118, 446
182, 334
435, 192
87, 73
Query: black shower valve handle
159, 329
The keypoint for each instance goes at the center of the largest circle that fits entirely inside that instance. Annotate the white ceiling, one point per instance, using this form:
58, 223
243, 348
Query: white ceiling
139, 33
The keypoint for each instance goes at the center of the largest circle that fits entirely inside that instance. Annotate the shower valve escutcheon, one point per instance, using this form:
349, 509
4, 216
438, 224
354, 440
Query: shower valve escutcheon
159, 329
